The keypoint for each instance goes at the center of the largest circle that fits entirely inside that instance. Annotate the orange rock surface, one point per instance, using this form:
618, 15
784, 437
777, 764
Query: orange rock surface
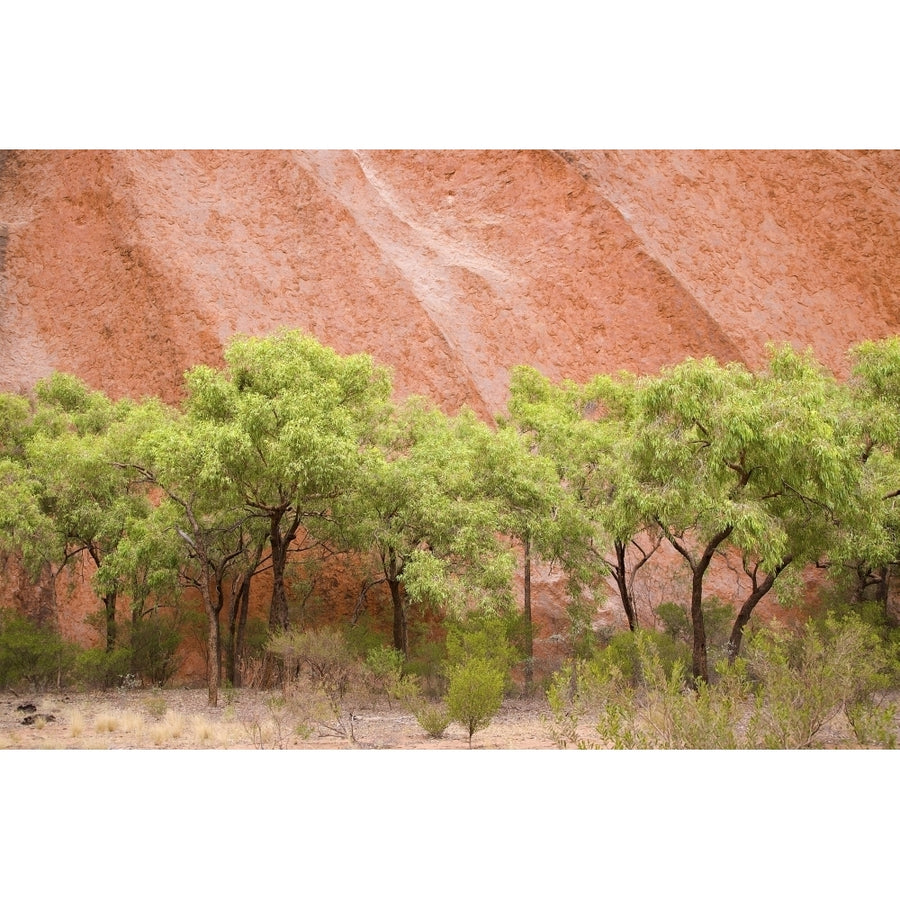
127, 267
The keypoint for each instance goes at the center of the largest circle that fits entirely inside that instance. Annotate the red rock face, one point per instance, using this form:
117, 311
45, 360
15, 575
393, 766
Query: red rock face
128, 267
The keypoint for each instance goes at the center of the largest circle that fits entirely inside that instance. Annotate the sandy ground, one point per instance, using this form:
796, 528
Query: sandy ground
181, 719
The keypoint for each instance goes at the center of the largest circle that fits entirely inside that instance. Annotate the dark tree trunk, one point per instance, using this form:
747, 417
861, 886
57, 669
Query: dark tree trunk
109, 602
699, 656
213, 647
392, 571
279, 619
620, 572
529, 628
279, 616
746, 610
213, 638
241, 631
234, 637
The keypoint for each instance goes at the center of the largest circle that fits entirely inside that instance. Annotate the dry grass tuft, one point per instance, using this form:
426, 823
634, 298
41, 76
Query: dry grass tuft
133, 722
106, 721
76, 723
169, 729
208, 732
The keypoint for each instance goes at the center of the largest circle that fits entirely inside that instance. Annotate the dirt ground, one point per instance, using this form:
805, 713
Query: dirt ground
180, 718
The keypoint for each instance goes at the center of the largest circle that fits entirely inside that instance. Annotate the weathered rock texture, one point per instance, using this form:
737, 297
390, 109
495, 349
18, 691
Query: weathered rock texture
127, 267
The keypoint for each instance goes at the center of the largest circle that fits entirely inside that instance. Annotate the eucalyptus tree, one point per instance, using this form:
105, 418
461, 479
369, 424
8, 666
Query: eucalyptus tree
20, 515
198, 523
533, 508
875, 386
285, 421
78, 500
585, 430
764, 466
417, 508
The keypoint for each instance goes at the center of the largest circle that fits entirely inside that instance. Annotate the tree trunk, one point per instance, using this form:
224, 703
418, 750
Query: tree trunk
213, 654
109, 601
278, 611
746, 610
619, 573
699, 658
244, 604
213, 643
401, 634
237, 618
279, 616
529, 630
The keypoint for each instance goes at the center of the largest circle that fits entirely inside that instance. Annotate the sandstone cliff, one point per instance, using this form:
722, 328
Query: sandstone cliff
127, 267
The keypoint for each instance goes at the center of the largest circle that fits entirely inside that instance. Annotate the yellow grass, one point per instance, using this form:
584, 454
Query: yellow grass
76, 723
171, 728
106, 721
208, 732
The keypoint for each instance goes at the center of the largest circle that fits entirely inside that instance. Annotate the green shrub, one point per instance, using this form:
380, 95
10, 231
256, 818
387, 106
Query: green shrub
486, 637
718, 617
621, 658
781, 694
837, 665
434, 718
474, 694
321, 677
32, 654
385, 669
322, 654
675, 620
95, 668
154, 649
427, 662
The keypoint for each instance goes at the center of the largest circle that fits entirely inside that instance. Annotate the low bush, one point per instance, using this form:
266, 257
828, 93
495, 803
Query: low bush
322, 678
95, 668
781, 694
487, 637
385, 670
155, 641
32, 654
474, 694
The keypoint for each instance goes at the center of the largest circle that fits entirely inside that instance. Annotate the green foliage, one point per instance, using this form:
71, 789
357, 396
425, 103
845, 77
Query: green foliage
834, 666
474, 694
97, 668
675, 620
622, 657
434, 718
783, 694
155, 641
417, 507
484, 636
256, 637
385, 665
427, 662
580, 612
718, 617
321, 654
32, 654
